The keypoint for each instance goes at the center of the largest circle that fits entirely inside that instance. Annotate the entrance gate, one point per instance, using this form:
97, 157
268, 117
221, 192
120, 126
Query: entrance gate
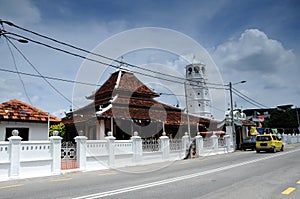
68, 155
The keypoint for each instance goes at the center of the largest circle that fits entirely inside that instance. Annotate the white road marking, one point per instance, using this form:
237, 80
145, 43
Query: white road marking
176, 179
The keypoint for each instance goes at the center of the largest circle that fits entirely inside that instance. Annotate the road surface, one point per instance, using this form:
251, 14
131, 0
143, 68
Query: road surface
237, 175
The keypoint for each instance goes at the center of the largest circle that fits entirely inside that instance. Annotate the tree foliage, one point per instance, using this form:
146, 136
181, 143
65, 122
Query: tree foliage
57, 127
281, 119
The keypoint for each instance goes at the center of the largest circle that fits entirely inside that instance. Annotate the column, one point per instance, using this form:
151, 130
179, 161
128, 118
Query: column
81, 152
215, 143
227, 142
199, 144
110, 148
56, 153
14, 154
102, 129
185, 142
164, 146
137, 147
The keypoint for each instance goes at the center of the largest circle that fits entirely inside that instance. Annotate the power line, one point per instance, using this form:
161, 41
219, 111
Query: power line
48, 77
245, 96
111, 65
102, 56
19, 75
27, 60
250, 102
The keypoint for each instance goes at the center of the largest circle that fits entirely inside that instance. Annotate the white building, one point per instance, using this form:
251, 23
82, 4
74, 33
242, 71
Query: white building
196, 89
31, 122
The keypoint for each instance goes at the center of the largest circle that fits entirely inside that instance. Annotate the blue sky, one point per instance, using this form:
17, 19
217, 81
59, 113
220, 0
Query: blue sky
252, 40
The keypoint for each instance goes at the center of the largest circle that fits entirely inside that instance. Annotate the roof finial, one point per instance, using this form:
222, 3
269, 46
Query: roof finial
122, 63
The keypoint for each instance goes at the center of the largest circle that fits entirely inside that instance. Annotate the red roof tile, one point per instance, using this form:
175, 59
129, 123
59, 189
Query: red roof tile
20, 111
123, 83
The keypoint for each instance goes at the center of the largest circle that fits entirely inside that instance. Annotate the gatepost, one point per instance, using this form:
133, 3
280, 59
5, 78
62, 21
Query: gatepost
81, 151
56, 153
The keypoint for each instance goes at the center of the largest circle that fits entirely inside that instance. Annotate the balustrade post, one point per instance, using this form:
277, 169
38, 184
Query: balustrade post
81, 152
165, 146
110, 148
14, 154
199, 144
56, 154
137, 147
284, 138
185, 142
215, 143
227, 142
289, 139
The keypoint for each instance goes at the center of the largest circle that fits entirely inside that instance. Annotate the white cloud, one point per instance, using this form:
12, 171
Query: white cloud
253, 51
269, 68
24, 12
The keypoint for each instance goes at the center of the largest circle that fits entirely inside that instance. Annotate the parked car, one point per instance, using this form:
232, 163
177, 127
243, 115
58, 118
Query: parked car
248, 143
268, 142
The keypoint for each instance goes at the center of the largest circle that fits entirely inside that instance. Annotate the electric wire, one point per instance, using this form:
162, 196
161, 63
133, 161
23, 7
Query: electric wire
111, 65
49, 77
245, 99
96, 54
45, 79
19, 75
245, 96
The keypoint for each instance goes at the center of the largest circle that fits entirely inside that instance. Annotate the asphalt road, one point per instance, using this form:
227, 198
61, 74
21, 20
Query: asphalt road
236, 175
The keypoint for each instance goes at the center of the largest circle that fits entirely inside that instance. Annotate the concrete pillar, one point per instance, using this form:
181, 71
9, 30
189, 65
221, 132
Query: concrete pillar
227, 142
289, 139
14, 154
215, 143
185, 142
102, 129
56, 154
298, 138
199, 144
284, 138
110, 148
164, 146
137, 147
81, 151
230, 133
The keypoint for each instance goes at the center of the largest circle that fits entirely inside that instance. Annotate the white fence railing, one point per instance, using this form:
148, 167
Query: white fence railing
37, 158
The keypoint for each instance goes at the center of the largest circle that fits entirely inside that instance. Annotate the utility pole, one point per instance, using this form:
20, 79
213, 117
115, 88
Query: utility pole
231, 112
232, 119
298, 118
187, 110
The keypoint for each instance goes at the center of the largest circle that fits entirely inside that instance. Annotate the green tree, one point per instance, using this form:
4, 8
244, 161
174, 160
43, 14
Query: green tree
57, 127
281, 119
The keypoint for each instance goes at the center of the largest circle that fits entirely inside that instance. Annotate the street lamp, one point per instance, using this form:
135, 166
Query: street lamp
231, 113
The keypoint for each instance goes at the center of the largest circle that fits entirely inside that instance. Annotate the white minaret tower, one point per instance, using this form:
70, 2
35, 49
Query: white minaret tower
197, 93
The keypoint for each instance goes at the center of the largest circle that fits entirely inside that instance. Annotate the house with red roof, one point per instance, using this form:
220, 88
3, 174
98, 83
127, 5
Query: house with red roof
123, 105
31, 122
